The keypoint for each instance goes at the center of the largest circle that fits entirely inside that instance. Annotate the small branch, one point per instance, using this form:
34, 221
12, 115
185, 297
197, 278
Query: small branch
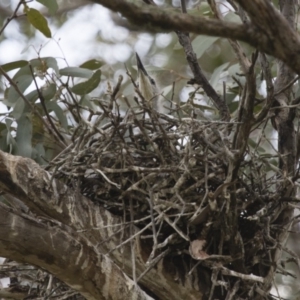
199, 77
270, 88
261, 12
14, 16
250, 277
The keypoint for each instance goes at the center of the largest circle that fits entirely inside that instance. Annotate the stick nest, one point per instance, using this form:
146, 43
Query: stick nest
168, 175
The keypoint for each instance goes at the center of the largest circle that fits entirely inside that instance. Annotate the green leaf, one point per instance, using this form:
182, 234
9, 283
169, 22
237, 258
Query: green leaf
50, 4
233, 17
20, 104
44, 63
32, 96
215, 77
233, 106
202, 43
18, 109
49, 91
202, 9
76, 72
86, 87
53, 106
14, 65
37, 20
22, 82
8, 123
230, 97
92, 64
24, 136
87, 101
38, 129
38, 152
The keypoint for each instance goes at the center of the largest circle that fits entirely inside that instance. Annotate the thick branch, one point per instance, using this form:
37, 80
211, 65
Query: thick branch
282, 42
27, 181
65, 254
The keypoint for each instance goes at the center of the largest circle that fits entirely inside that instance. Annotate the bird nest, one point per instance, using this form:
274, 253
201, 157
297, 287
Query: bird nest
168, 175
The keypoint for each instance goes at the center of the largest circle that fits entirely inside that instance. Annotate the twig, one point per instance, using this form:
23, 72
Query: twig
14, 15
250, 277
153, 263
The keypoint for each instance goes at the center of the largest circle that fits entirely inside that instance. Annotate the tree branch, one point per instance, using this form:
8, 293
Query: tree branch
45, 196
273, 35
65, 254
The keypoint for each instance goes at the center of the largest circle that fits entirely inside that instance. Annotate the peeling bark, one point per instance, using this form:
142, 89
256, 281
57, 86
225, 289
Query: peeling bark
64, 253
89, 228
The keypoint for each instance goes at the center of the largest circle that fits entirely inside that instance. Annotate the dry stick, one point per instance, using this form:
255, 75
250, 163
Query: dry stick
270, 89
195, 215
245, 112
244, 62
145, 134
167, 219
132, 246
151, 201
276, 288
133, 236
232, 292
260, 136
238, 50
154, 262
286, 140
42, 99
117, 87
250, 277
34, 110
288, 85
214, 277
114, 225
199, 77
167, 240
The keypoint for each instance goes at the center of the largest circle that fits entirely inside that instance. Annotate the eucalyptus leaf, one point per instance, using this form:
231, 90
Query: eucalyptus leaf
53, 106
44, 63
92, 64
50, 4
24, 136
38, 152
49, 91
18, 108
14, 65
86, 87
214, 80
37, 20
76, 72
22, 82
86, 101
202, 42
